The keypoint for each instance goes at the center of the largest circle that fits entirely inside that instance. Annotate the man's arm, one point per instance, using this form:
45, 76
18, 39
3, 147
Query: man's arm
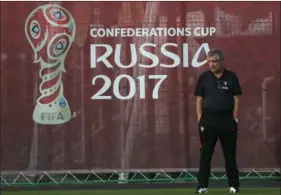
237, 91
199, 101
199, 93
236, 108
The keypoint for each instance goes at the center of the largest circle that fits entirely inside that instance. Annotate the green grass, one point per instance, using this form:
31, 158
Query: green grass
179, 191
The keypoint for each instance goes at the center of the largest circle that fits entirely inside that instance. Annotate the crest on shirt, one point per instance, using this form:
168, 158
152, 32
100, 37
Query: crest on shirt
224, 85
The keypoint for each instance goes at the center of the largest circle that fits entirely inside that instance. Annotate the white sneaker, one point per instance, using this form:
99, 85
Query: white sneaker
233, 190
201, 190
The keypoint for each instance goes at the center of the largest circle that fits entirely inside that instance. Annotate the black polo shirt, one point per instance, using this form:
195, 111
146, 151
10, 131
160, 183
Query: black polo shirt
218, 93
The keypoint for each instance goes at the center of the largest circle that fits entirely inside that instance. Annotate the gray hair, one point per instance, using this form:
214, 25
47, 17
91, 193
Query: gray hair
216, 52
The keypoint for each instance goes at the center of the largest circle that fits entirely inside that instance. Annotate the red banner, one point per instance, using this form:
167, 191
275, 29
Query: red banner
108, 85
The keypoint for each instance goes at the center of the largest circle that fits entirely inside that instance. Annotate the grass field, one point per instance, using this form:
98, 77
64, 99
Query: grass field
248, 191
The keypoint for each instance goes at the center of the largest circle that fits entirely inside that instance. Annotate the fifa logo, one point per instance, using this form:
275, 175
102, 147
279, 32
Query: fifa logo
50, 30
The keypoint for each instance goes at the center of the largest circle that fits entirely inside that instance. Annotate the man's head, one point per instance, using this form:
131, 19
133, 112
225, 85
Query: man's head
214, 58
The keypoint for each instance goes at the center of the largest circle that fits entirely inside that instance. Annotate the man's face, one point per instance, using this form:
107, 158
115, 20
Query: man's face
214, 64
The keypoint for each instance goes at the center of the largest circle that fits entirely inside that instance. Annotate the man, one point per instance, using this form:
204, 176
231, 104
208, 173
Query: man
217, 91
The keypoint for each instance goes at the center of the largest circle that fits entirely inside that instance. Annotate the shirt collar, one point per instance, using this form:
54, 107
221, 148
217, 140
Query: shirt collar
223, 73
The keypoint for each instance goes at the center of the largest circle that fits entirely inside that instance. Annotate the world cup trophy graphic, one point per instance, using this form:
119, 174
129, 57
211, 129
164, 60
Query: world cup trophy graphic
50, 30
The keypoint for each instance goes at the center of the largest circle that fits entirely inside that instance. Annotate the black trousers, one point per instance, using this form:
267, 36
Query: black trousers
211, 128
